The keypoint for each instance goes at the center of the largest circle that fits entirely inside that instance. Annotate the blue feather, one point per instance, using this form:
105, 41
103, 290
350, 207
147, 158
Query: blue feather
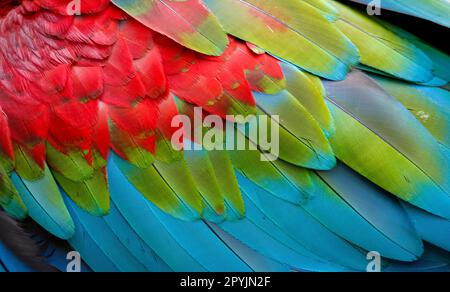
364, 214
302, 228
433, 260
10, 263
133, 242
184, 246
97, 229
257, 261
431, 228
45, 204
89, 250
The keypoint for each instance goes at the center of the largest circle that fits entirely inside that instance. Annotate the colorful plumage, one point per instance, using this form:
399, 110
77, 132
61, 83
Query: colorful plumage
92, 95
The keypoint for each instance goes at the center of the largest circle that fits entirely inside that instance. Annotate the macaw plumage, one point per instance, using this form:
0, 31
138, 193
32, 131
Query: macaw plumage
89, 91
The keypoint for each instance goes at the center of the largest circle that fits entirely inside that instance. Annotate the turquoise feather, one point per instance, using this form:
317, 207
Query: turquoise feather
184, 246
45, 204
266, 238
371, 218
97, 229
10, 263
287, 216
90, 251
433, 260
434, 229
137, 247
257, 261
433, 10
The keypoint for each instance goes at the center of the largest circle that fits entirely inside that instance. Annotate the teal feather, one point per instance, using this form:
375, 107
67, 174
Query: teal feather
433, 260
371, 218
287, 216
133, 242
97, 229
435, 10
266, 238
45, 204
184, 246
10, 263
434, 229
89, 250
257, 261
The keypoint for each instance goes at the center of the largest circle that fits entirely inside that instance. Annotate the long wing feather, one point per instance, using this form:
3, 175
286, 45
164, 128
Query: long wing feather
18, 252
376, 135
430, 105
278, 30
199, 31
382, 49
436, 11
45, 204
107, 79
178, 243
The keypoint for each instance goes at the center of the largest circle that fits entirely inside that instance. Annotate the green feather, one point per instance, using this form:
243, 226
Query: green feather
164, 149
328, 10
203, 174
25, 165
302, 141
281, 179
226, 178
16, 207
430, 105
192, 25
72, 165
156, 184
383, 49
288, 29
309, 91
380, 139
180, 179
45, 204
91, 194
7, 190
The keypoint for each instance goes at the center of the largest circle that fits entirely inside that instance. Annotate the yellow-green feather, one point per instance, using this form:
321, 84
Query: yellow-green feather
302, 141
430, 105
381, 48
380, 139
288, 29
155, 184
309, 91
200, 32
90, 194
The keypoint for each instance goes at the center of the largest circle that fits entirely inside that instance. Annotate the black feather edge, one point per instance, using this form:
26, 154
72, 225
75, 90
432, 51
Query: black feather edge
19, 242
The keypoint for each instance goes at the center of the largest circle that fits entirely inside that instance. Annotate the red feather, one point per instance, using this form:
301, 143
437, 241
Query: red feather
101, 78
6, 147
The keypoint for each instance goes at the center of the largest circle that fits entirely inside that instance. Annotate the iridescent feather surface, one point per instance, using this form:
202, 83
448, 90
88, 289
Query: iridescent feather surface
91, 93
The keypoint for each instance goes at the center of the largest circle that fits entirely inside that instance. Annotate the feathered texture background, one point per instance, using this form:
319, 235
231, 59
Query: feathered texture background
87, 101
